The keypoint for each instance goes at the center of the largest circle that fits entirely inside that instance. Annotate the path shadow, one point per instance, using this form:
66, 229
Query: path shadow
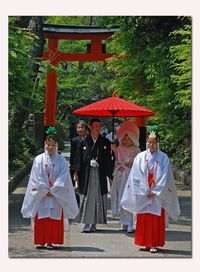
186, 211
172, 235
78, 249
175, 252
169, 252
40, 252
111, 231
21, 228
109, 218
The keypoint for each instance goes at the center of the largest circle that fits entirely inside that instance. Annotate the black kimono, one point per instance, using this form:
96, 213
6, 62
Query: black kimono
87, 150
74, 144
93, 180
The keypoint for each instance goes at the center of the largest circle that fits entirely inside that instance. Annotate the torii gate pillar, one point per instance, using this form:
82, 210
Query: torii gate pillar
56, 32
51, 89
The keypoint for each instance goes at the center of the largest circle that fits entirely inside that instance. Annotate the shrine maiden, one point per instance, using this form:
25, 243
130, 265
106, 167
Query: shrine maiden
150, 192
49, 199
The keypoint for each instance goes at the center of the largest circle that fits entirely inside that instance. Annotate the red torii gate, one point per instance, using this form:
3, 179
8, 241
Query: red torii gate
96, 35
54, 33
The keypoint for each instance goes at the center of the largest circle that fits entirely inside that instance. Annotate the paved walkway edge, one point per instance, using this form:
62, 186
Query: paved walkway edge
14, 182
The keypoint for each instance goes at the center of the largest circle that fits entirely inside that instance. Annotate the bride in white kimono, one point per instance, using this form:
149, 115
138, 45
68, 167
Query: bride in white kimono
128, 136
49, 199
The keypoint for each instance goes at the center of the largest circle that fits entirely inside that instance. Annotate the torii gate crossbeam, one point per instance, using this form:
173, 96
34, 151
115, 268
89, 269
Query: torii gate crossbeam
54, 33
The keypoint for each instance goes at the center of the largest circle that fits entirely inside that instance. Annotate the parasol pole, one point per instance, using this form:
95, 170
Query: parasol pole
113, 121
112, 153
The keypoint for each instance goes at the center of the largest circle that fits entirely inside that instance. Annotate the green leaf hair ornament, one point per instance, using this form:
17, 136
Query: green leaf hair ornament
51, 131
152, 128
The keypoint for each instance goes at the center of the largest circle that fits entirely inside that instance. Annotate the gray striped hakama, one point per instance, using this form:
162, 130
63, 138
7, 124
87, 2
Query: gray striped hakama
93, 206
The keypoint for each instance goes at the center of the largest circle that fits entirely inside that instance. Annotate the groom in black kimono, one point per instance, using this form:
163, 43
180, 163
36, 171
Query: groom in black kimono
93, 163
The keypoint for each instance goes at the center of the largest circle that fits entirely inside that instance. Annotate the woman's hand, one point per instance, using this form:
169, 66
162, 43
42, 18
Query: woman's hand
121, 168
128, 164
49, 194
151, 195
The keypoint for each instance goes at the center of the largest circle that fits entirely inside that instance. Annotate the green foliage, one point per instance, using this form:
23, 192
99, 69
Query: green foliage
155, 73
79, 83
19, 87
68, 20
19, 149
181, 63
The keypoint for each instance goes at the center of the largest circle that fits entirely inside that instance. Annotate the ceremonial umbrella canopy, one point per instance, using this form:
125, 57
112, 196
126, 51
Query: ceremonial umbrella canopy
113, 107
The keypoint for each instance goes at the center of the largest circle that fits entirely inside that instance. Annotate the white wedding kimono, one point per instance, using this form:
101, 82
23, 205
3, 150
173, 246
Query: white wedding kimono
50, 174
135, 199
123, 155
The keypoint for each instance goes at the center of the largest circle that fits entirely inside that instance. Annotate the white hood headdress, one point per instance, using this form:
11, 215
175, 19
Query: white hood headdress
129, 127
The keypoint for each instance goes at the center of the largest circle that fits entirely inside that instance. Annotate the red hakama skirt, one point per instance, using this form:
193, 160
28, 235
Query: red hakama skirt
49, 231
150, 228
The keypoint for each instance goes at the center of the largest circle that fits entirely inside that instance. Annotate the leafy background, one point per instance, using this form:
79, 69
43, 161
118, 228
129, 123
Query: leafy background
156, 74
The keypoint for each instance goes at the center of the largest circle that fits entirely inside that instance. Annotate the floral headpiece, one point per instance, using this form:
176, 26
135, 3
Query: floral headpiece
51, 131
129, 128
152, 134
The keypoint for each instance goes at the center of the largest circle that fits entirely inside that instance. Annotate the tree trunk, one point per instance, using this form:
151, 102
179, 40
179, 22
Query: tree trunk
22, 21
34, 25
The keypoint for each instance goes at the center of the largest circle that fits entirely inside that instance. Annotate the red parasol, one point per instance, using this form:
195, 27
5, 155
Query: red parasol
114, 107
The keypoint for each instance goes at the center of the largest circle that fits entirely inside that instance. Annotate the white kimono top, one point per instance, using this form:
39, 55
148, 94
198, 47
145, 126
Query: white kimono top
135, 198
50, 174
123, 155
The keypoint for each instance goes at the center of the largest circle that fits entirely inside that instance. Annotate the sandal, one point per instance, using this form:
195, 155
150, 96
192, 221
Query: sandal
41, 246
153, 250
50, 246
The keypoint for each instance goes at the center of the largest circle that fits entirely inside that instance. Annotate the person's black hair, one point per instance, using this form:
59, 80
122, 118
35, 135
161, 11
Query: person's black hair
94, 120
48, 137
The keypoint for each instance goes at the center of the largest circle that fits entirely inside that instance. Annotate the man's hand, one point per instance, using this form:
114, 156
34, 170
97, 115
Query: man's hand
75, 177
76, 187
113, 147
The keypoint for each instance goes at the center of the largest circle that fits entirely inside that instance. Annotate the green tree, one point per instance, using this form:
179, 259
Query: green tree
25, 50
157, 74
79, 83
